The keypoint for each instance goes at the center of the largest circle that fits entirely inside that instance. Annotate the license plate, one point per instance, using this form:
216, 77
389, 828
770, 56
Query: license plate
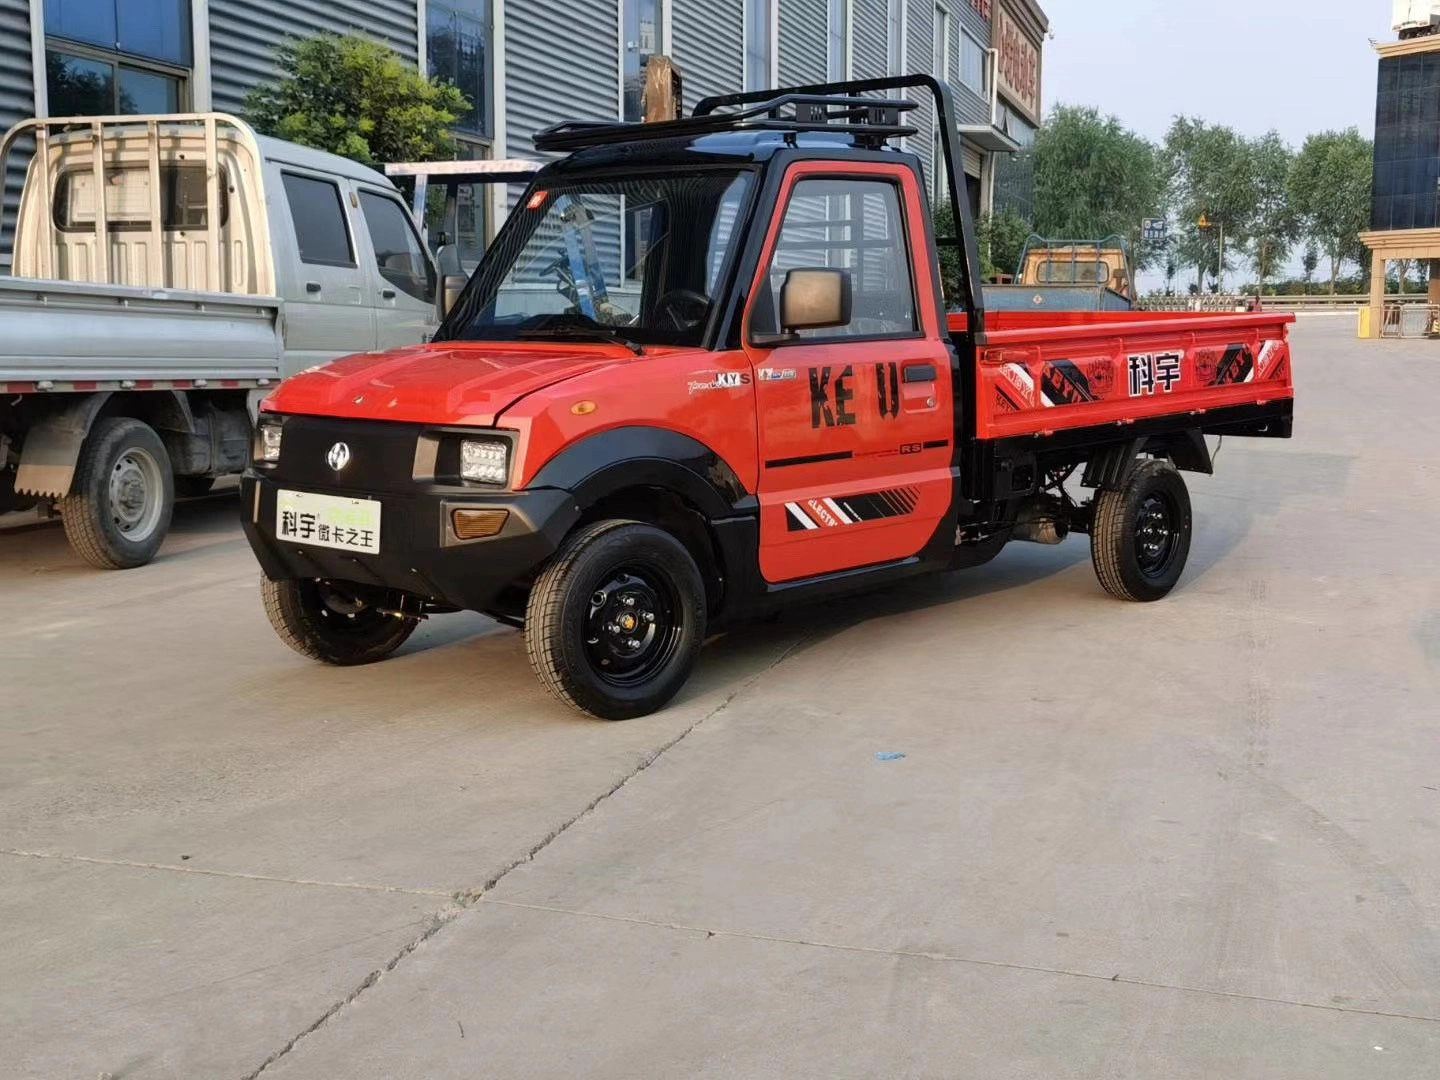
328, 521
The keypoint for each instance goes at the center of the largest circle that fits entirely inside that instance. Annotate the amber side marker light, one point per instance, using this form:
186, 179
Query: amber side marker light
583, 408
477, 524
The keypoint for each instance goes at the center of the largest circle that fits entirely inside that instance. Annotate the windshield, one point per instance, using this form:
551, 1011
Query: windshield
638, 260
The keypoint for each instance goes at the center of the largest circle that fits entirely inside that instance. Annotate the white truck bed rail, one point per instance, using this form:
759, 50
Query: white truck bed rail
110, 139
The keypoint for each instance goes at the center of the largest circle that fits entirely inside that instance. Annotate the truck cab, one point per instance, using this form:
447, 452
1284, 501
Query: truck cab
166, 271
707, 370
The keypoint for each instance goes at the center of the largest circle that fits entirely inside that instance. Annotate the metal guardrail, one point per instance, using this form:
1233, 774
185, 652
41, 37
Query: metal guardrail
1275, 303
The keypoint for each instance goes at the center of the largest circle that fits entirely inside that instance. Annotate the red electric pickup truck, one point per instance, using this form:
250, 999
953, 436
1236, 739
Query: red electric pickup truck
708, 368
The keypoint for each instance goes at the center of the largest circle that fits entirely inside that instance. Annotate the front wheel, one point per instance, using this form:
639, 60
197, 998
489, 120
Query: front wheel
334, 622
1140, 537
615, 622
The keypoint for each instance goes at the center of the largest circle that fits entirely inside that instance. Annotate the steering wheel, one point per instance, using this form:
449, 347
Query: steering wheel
672, 308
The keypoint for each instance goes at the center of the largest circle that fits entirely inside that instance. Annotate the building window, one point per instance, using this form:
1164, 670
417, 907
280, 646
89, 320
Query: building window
642, 24
457, 48
895, 37
93, 86
153, 29
837, 40
759, 44
972, 64
940, 56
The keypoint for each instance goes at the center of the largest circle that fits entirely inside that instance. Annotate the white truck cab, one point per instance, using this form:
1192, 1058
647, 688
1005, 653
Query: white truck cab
139, 328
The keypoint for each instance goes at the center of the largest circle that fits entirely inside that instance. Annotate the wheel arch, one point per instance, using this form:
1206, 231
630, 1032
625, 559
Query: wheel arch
660, 477
52, 444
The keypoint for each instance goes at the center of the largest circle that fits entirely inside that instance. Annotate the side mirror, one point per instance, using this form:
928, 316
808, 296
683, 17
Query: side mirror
451, 285
814, 300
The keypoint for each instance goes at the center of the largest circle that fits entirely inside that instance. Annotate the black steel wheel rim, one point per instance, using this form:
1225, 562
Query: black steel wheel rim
632, 625
1157, 535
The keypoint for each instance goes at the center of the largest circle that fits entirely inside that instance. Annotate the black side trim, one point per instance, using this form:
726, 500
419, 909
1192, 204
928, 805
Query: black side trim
647, 457
937, 444
811, 459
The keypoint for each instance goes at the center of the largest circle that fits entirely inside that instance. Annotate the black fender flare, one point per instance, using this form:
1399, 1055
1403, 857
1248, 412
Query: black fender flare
52, 444
638, 456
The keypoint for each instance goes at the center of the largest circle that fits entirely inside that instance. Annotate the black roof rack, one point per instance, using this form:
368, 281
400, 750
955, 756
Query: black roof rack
873, 122
833, 107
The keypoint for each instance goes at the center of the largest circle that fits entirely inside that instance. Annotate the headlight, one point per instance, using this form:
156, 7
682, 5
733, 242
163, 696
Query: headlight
267, 441
485, 460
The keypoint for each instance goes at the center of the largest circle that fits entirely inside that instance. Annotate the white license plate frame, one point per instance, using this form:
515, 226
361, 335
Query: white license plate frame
313, 520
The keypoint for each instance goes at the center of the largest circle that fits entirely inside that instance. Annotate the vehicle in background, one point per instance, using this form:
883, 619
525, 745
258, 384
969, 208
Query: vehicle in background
706, 371
449, 200
140, 330
1068, 275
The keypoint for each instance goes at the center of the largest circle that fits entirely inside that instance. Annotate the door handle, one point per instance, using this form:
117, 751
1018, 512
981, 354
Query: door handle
919, 373
312, 286
387, 294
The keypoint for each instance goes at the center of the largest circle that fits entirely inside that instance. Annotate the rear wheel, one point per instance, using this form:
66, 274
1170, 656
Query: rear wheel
334, 622
1140, 538
614, 624
122, 497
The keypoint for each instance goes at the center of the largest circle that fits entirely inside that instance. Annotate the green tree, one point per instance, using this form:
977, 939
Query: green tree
1311, 264
1330, 189
1212, 177
357, 98
1002, 240
1094, 178
1274, 225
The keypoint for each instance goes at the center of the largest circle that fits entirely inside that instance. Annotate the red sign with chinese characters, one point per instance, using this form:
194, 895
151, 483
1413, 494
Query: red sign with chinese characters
1019, 65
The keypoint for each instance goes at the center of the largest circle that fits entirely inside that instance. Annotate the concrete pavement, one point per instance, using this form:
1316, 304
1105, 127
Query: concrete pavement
1192, 839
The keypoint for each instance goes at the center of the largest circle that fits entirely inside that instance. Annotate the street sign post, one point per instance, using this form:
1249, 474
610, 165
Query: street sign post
1155, 230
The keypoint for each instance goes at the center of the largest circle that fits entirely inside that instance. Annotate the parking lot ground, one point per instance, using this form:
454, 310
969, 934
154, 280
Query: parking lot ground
1191, 839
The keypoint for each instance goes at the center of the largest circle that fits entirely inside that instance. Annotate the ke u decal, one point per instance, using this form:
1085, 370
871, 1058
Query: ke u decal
887, 390
1154, 373
830, 397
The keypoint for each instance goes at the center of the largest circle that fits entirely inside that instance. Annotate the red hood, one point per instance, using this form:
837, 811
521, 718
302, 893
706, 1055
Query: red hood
462, 383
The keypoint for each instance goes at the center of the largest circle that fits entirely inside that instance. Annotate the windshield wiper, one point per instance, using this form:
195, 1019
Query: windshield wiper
587, 333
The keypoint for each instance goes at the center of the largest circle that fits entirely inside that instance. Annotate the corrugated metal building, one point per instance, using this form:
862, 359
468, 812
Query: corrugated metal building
529, 63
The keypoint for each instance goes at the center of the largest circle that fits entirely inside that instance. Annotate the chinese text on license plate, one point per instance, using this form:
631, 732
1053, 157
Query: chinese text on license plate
327, 521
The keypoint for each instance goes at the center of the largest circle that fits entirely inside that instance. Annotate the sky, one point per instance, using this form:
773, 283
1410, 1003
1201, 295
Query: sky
1297, 66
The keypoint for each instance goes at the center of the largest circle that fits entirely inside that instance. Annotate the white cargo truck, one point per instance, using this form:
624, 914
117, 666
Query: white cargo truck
165, 272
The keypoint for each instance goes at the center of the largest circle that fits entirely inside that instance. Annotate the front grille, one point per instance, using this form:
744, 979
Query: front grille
382, 457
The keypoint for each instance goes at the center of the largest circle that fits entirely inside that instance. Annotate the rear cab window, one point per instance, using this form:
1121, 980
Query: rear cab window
318, 214
127, 199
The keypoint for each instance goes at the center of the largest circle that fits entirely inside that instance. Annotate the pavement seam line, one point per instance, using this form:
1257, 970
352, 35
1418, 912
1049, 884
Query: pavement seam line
950, 958
466, 899
136, 865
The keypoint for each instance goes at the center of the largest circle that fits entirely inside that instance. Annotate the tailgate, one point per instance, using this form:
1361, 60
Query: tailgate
1036, 377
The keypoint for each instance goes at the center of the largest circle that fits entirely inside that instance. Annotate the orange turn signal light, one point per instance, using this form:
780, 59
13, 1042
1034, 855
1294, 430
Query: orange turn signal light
477, 524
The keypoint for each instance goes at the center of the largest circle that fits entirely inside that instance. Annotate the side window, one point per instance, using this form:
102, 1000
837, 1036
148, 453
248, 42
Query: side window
319, 218
853, 225
398, 254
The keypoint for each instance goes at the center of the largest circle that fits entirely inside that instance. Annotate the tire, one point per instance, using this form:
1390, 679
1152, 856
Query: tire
1140, 537
579, 647
193, 487
123, 496
323, 621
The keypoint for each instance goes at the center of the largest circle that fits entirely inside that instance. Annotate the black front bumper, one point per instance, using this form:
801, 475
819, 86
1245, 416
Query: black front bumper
419, 552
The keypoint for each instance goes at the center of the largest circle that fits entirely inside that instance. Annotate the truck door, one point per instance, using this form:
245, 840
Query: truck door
402, 275
326, 316
856, 422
